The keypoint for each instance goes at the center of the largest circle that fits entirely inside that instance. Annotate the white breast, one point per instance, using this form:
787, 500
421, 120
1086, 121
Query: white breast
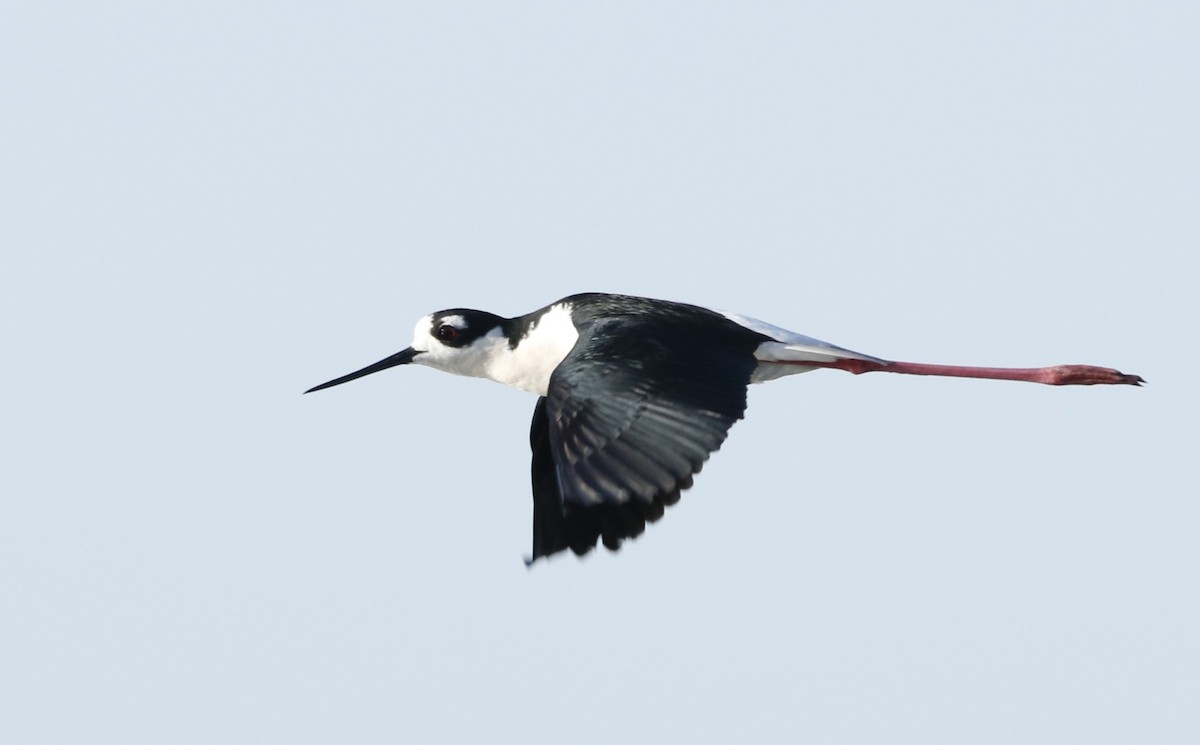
529, 365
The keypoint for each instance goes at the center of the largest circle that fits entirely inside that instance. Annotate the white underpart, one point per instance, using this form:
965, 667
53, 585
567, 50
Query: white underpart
527, 367
778, 358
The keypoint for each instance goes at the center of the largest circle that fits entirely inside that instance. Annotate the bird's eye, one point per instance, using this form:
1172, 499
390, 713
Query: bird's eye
446, 332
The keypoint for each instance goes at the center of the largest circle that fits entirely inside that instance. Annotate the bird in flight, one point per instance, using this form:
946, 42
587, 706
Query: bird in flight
634, 394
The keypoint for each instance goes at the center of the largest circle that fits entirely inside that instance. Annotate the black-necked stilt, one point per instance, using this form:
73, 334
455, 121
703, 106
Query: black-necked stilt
636, 393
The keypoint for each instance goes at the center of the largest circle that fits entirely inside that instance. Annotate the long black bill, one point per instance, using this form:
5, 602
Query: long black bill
399, 358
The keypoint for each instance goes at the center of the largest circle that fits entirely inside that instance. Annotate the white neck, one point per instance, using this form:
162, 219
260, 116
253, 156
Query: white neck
529, 366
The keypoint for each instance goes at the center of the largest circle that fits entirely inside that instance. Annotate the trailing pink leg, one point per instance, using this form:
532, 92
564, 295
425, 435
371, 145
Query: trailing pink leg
1056, 375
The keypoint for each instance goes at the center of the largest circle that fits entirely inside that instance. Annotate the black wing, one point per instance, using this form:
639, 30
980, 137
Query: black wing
630, 416
559, 524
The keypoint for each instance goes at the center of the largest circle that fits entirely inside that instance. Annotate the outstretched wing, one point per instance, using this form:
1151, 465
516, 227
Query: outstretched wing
630, 415
559, 525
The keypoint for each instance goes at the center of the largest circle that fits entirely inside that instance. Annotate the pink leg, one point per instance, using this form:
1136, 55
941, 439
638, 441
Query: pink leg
1057, 375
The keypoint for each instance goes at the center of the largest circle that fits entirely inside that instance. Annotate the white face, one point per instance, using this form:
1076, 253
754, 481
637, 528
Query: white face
424, 339
438, 348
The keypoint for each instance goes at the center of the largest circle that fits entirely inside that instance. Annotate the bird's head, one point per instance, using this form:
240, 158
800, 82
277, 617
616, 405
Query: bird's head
459, 341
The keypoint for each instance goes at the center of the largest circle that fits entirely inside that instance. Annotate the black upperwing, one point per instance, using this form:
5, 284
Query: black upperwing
630, 416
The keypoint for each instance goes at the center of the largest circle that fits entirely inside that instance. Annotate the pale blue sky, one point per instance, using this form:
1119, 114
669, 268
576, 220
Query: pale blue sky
208, 208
